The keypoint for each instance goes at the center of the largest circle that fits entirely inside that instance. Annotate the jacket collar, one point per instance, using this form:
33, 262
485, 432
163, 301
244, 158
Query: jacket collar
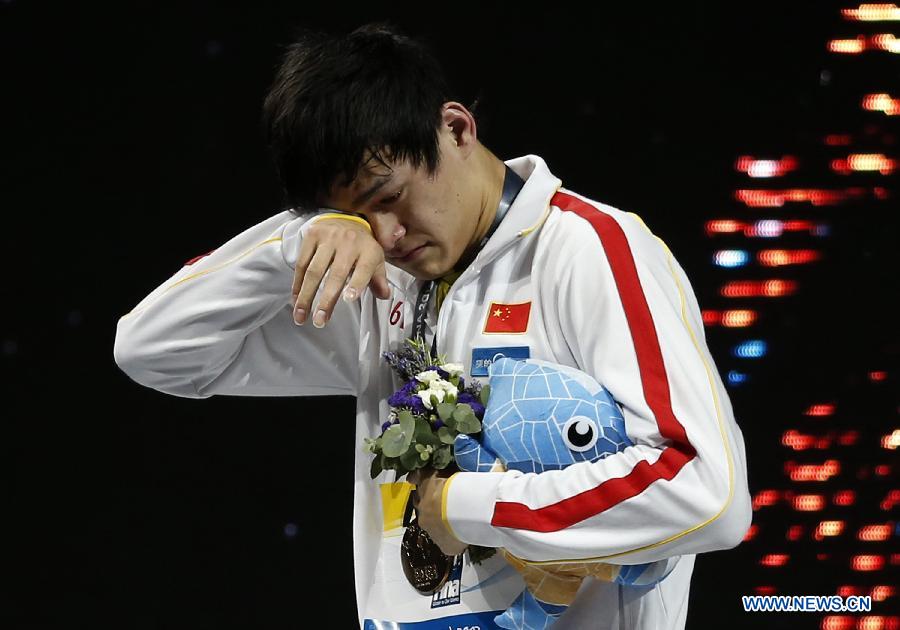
528, 211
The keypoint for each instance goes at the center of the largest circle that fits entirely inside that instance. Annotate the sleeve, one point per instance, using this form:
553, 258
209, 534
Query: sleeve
223, 324
625, 310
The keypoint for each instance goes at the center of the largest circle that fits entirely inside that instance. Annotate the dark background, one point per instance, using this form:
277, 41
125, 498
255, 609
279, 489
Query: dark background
132, 143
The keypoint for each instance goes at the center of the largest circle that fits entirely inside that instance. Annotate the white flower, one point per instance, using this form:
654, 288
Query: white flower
427, 376
454, 369
444, 386
426, 395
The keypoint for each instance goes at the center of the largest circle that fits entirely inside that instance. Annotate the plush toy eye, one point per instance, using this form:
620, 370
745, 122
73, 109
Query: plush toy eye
580, 433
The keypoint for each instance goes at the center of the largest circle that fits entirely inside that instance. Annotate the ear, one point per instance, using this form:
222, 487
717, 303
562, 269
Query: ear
458, 124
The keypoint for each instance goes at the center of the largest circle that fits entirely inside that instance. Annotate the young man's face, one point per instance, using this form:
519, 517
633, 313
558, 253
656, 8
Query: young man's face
424, 223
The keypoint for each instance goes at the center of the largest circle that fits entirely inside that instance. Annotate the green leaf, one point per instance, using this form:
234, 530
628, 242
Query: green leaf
407, 423
485, 395
441, 457
410, 460
446, 436
469, 425
445, 410
425, 433
376, 468
462, 410
451, 423
396, 440
466, 420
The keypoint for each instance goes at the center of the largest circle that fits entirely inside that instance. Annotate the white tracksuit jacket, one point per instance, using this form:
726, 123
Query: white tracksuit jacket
606, 297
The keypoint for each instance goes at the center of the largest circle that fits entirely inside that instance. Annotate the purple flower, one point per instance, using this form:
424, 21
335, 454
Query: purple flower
438, 424
406, 397
403, 395
411, 386
385, 426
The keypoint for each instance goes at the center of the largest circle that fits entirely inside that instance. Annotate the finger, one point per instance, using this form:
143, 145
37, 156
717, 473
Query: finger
365, 268
304, 256
315, 271
334, 283
379, 282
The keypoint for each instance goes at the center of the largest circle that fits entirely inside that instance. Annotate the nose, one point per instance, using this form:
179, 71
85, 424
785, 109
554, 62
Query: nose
387, 230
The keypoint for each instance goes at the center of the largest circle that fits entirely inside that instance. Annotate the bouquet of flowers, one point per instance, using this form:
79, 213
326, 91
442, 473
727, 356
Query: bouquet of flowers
427, 413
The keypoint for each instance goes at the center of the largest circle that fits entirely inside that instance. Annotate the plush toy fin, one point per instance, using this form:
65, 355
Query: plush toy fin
472, 456
528, 613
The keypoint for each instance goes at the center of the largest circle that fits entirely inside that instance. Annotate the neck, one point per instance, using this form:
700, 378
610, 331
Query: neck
491, 193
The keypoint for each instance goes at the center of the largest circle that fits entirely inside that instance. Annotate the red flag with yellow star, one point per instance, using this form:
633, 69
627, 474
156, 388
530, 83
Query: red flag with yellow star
507, 318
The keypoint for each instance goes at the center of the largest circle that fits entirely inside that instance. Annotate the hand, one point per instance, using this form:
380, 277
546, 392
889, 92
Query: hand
339, 248
427, 501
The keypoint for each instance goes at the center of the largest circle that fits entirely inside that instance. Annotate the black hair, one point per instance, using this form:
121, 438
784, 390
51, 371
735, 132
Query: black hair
337, 97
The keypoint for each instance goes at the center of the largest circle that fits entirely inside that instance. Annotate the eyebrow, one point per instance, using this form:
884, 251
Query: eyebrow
371, 190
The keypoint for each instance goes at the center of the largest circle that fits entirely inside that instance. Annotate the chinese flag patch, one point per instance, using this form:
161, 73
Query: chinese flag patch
507, 318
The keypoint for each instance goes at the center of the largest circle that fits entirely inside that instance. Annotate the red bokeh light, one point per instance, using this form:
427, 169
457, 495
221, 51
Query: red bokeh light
844, 498
819, 410
875, 533
794, 533
765, 168
774, 559
808, 502
881, 103
868, 12
782, 257
882, 592
758, 288
838, 622
766, 498
829, 529
867, 562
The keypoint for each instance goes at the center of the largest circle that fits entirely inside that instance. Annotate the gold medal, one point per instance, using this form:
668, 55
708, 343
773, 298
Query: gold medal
424, 564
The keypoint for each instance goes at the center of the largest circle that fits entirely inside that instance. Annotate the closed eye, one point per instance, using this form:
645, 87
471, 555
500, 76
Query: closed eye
392, 198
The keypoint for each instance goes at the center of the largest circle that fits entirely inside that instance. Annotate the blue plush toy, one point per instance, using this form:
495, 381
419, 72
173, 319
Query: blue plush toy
543, 416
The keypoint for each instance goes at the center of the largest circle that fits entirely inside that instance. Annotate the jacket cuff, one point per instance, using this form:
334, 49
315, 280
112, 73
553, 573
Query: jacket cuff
467, 507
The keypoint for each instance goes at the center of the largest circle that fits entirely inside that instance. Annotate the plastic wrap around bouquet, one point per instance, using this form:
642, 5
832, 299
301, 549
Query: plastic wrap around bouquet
543, 416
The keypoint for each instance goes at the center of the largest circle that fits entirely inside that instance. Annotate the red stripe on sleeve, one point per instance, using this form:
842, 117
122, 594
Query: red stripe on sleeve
654, 381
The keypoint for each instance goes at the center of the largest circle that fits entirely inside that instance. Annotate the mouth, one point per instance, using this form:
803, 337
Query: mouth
411, 255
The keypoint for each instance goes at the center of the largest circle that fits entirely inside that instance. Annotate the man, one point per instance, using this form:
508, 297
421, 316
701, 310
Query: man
365, 126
